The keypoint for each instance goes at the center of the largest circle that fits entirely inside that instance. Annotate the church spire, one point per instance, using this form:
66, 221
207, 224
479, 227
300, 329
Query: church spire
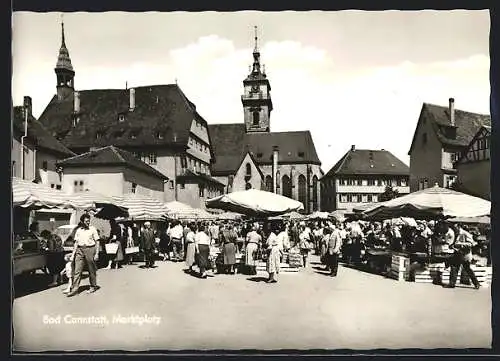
256, 49
64, 69
256, 56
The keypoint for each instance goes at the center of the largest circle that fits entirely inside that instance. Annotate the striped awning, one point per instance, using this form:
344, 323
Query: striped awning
142, 207
31, 195
179, 210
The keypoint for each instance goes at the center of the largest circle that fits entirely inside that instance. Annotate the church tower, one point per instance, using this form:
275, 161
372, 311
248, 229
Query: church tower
257, 104
64, 71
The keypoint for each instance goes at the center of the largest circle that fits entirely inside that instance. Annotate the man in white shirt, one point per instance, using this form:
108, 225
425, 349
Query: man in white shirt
176, 234
85, 251
462, 256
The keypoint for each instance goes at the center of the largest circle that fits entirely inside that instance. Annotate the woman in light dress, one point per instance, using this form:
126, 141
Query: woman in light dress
274, 254
202, 246
253, 241
190, 247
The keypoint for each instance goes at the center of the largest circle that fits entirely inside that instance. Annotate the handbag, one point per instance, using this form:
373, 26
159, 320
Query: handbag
111, 248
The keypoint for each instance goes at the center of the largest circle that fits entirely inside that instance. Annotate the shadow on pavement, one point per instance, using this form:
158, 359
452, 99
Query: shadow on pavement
28, 284
257, 279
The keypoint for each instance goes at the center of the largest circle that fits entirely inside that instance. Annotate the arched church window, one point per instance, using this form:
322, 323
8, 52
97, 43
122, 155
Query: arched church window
256, 120
303, 190
315, 193
269, 183
286, 186
248, 169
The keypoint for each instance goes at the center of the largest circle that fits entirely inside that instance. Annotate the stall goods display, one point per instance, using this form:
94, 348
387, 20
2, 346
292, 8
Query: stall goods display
399, 266
295, 260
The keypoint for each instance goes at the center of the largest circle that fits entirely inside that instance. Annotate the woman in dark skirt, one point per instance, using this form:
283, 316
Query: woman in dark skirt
164, 245
202, 247
116, 259
229, 249
55, 258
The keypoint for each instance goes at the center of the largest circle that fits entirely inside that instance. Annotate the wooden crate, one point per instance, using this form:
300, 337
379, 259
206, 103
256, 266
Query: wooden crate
424, 276
483, 275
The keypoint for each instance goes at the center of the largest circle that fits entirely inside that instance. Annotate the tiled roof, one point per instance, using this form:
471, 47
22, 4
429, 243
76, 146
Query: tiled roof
467, 124
38, 134
484, 131
365, 161
231, 142
110, 155
159, 110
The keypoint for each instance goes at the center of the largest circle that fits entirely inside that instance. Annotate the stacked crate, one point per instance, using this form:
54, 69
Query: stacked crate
424, 276
399, 267
439, 273
483, 275
295, 260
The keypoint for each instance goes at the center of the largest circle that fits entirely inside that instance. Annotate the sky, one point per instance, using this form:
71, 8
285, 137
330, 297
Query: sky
350, 77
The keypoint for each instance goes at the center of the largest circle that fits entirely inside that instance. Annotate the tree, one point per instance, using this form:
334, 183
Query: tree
389, 193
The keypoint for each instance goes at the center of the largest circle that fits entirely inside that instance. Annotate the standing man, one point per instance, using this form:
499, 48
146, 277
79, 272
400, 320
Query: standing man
176, 234
85, 252
334, 246
148, 245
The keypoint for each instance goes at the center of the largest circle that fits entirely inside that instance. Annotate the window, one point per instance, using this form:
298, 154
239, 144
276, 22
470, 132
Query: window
152, 158
403, 182
58, 186
343, 198
182, 185
78, 186
248, 169
98, 135
375, 198
371, 182
134, 187
424, 139
364, 198
349, 198
426, 183
351, 182
248, 186
256, 120
359, 182
45, 165
301, 154
183, 162
171, 184
369, 198
202, 191
269, 183
121, 118
52, 185
159, 135
13, 168
259, 155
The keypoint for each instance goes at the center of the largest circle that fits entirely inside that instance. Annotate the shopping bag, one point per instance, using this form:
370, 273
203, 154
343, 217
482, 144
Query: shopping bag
131, 250
111, 248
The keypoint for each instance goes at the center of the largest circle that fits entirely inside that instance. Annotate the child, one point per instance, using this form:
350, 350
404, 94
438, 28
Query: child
68, 271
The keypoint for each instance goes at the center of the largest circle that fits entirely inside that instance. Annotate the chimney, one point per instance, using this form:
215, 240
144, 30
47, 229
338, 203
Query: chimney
27, 106
132, 99
275, 168
76, 108
452, 111
353, 147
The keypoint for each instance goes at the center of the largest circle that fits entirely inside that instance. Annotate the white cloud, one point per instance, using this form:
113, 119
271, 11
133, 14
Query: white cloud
371, 107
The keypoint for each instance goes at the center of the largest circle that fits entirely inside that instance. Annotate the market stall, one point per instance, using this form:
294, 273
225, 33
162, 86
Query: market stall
436, 204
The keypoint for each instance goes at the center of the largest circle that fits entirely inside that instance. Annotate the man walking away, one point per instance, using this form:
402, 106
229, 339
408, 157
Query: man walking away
462, 257
148, 245
85, 252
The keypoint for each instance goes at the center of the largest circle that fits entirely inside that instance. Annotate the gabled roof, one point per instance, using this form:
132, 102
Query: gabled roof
368, 162
37, 134
160, 109
231, 143
107, 156
466, 124
486, 130
253, 160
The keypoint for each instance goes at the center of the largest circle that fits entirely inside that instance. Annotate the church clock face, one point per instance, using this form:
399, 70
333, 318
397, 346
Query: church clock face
255, 88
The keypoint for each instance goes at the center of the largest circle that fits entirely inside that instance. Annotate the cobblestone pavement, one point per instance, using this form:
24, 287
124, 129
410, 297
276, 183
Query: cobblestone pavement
305, 310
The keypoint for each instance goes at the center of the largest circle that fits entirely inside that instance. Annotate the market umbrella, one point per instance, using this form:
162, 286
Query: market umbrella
31, 195
203, 214
471, 220
181, 210
142, 207
339, 215
229, 216
104, 207
318, 215
253, 202
429, 203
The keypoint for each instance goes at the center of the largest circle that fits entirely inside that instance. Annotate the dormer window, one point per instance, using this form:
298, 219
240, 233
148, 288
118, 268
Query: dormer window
121, 118
259, 155
159, 135
99, 135
301, 154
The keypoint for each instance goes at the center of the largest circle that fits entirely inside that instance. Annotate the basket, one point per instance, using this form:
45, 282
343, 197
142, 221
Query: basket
131, 250
111, 248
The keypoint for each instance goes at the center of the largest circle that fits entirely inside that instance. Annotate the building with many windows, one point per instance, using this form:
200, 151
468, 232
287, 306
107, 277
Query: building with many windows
474, 166
157, 123
287, 162
441, 136
360, 176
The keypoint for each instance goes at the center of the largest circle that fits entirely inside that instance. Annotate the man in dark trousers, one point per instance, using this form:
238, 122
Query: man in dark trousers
148, 245
334, 246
